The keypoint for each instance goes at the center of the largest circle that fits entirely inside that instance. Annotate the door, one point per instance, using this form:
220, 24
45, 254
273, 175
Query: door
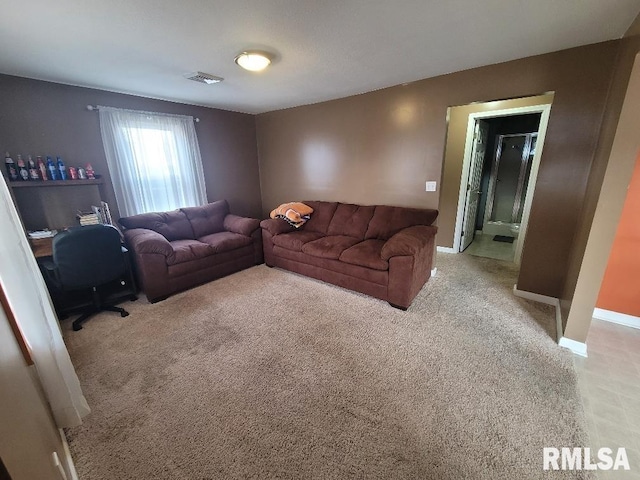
480, 134
30, 444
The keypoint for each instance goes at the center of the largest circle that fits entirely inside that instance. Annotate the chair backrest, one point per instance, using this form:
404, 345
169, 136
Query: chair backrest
88, 256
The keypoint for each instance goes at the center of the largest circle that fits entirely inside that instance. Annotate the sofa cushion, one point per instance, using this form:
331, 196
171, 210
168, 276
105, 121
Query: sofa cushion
295, 240
276, 226
208, 218
329, 246
379, 277
321, 216
225, 241
387, 221
366, 254
171, 225
186, 250
351, 220
242, 225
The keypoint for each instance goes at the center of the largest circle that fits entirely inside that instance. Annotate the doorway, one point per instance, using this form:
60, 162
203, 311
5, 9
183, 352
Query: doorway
501, 158
498, 185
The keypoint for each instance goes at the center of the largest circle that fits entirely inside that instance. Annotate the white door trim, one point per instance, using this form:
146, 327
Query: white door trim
545, 111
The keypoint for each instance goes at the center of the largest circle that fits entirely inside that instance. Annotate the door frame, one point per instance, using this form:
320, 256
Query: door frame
544, 110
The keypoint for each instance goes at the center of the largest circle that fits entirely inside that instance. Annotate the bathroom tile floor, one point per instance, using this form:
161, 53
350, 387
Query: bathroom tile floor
609, 382
486, 246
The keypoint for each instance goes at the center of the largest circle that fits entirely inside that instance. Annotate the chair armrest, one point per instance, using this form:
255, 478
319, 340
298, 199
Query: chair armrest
49, 271
241, 225
408, 241
142, 240
276, 226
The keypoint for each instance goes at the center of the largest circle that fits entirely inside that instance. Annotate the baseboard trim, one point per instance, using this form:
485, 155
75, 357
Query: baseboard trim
445, 250
615, 317
67, 459
576, 347
536, 297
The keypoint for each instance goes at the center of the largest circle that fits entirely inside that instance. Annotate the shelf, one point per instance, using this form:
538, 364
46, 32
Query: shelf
54, 183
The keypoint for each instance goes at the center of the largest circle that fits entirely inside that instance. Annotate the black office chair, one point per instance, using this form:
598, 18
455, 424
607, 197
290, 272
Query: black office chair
90, 257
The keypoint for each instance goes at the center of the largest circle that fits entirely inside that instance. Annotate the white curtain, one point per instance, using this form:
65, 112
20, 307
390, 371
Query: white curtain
154, 160
31, 305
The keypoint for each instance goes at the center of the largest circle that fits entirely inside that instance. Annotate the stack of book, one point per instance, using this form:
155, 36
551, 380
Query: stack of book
100, 214
88, 218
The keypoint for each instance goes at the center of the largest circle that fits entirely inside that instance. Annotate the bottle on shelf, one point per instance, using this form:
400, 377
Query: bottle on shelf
73, 173
51, 169
12, 172
23, 173
42, 169
90, 173
62, 169
82, 173
33, 170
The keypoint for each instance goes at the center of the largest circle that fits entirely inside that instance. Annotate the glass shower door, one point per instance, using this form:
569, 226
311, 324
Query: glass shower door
509, 177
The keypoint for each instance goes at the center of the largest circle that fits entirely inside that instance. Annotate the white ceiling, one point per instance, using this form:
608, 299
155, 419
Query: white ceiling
325, 49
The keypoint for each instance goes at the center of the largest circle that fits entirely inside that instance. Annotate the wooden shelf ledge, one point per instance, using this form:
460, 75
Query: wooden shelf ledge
54, 183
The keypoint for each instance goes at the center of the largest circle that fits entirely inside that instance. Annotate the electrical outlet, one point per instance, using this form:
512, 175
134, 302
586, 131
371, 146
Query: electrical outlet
430, 186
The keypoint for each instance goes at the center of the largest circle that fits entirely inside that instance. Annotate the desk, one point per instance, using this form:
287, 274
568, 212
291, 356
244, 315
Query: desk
42, 247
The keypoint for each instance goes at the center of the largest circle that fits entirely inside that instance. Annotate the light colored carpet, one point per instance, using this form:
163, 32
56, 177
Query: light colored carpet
267, 374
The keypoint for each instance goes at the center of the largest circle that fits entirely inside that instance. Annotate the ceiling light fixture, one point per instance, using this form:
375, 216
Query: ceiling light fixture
254, 60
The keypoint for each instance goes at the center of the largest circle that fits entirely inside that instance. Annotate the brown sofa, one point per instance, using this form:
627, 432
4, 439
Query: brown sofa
177, 250
382, 251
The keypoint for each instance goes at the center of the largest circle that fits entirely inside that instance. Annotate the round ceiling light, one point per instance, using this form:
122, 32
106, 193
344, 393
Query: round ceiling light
254, 61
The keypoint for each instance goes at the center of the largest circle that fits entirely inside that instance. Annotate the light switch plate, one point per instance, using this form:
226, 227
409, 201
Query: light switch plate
430, 186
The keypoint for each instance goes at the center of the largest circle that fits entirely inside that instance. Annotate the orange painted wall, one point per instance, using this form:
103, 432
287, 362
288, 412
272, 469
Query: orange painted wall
620, 290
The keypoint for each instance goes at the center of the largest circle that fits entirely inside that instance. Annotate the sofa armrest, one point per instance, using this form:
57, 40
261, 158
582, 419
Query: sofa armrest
141, 241
241, 225
276, 226
408, 241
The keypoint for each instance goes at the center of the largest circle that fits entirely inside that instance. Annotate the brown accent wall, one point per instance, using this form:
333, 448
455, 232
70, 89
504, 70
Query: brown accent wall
382, 146
43, 118
610, 202
634, 28
625, 58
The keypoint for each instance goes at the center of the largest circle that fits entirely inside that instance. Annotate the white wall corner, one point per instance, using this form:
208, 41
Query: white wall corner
578, 348
445, 250
615, 317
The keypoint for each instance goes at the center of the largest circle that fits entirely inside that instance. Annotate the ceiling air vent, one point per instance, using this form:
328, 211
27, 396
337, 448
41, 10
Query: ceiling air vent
203, 78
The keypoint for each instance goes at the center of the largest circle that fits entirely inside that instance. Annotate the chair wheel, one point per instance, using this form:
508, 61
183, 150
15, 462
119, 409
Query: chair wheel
76, 327
124, 314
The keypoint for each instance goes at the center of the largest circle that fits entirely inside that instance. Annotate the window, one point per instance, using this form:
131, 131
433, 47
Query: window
154, 160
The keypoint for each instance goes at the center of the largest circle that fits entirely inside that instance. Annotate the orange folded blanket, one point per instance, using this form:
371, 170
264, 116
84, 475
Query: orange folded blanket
295, 213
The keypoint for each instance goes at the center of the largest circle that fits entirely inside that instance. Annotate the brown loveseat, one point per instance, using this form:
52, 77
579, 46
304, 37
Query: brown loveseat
177, 250
386, 252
